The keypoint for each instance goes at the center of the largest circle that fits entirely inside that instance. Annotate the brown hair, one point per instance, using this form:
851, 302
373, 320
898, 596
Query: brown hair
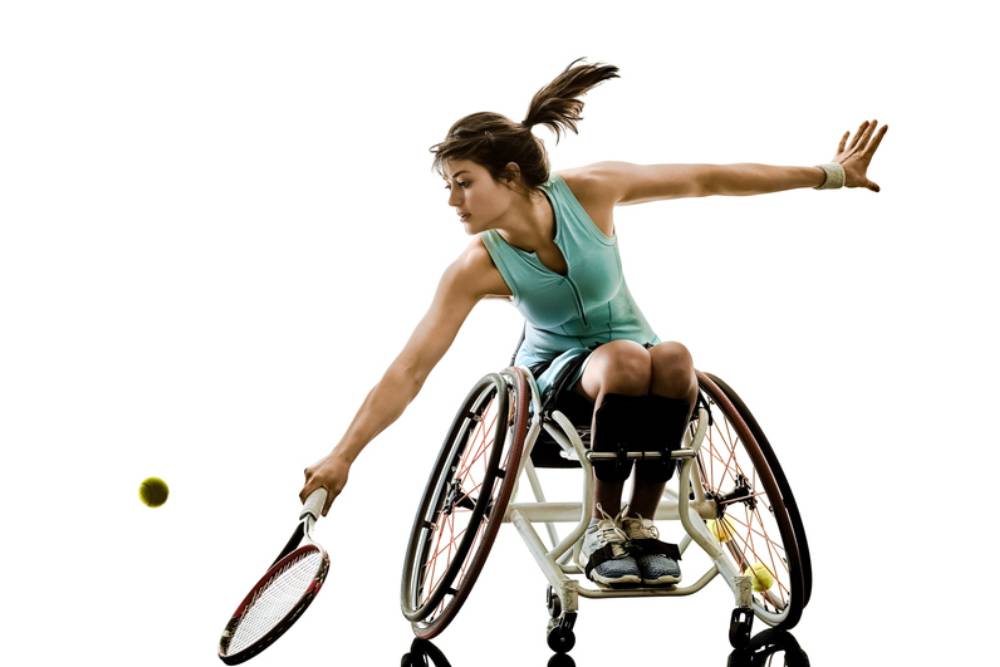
492, 140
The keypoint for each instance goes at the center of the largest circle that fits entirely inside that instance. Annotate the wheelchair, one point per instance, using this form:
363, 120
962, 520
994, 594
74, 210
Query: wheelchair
730, 495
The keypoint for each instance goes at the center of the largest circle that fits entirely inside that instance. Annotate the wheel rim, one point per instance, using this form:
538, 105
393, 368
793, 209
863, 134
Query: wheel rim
735, 474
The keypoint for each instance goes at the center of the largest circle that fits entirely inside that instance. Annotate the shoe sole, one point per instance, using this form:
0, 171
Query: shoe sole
627, 580
661, 581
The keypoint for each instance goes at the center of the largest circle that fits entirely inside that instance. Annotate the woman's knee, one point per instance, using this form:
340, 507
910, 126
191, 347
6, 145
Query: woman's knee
620, 366
672, 369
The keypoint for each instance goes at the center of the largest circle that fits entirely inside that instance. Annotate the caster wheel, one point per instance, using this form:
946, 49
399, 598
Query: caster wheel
561, 640
553, 603
740, 626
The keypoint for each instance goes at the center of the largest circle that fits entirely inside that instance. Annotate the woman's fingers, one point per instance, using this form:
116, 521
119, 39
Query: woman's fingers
329, 473
330, 497
310, 484
869, 145
857, 135
843, 142
867, 138
875, 142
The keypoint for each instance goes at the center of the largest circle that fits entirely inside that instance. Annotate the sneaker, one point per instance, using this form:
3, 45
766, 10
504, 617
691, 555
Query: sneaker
657, 560
605, 551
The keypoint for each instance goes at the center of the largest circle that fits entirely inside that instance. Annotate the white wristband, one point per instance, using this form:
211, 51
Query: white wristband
834, 176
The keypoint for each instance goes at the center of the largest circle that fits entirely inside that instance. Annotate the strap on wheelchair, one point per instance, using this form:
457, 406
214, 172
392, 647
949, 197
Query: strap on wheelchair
602, 555
650, 546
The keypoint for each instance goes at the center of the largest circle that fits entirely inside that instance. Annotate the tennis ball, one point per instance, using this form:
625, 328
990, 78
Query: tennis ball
153, 491
762, 577
721, 529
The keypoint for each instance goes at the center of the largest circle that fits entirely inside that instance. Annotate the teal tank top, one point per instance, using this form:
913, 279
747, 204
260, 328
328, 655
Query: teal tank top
568, 316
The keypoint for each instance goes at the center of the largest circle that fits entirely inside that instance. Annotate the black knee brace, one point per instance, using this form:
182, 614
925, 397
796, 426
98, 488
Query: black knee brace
660, 427
614, 432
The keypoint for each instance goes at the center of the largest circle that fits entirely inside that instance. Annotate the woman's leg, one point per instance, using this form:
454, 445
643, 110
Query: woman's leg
673, 376
617, 367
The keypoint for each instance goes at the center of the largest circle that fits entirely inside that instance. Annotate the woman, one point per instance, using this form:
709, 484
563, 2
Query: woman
547, 242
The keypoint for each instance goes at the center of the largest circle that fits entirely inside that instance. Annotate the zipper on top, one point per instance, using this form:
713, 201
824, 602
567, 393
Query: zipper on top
579, 301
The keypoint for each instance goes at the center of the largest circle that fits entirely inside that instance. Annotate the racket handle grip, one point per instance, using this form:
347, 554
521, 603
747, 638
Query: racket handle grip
314, 504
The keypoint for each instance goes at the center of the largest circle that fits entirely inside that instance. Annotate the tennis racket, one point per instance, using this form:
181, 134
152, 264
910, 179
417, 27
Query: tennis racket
282, 594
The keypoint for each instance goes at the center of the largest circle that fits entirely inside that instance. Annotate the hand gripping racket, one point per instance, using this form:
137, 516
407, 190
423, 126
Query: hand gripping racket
282, 594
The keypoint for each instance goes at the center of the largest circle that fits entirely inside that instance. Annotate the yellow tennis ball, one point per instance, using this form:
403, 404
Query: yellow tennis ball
721, 529
153, 491
762, 577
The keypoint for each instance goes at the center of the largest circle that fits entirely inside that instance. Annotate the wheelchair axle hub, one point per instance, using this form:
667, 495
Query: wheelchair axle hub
457, 498
741, 493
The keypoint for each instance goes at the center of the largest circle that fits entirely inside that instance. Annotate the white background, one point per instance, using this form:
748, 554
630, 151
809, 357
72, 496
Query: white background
219, 227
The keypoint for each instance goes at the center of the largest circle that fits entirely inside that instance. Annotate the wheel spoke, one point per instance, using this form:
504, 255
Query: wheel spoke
479, 453
763, 535
748, 546
472, 552
445, 547
432, 561
468, 493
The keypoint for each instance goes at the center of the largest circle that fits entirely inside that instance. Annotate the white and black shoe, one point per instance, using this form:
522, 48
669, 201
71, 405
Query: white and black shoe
605, 552
657, 560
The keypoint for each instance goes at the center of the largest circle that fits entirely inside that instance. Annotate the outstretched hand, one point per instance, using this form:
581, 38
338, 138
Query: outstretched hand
856, 157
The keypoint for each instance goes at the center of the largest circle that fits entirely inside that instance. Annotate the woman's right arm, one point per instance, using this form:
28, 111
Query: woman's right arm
461, 286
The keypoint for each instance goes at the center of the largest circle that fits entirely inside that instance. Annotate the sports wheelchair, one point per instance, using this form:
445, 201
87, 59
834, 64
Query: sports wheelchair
731, 497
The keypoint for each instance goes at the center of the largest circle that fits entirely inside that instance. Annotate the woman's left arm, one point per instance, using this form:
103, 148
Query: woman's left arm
753, 179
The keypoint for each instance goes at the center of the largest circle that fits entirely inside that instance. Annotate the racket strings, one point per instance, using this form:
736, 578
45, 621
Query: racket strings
275, 598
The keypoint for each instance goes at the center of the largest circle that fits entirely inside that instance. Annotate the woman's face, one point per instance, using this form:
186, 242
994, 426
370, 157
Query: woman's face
478, 199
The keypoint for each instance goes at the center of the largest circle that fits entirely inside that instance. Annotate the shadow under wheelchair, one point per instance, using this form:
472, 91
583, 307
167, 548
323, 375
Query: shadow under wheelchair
731, 497
770, 647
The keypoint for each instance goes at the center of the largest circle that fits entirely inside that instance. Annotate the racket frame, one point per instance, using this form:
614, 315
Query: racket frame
299, 544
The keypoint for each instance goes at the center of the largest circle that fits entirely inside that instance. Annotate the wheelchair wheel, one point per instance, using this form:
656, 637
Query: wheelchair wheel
464, 501
779, 476
753, 519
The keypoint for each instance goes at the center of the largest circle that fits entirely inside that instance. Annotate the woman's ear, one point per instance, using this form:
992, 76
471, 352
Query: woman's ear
512, 176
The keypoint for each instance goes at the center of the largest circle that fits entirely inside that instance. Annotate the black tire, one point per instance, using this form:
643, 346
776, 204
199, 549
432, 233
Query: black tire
433, 591
752, 516
779, 476
561, 640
